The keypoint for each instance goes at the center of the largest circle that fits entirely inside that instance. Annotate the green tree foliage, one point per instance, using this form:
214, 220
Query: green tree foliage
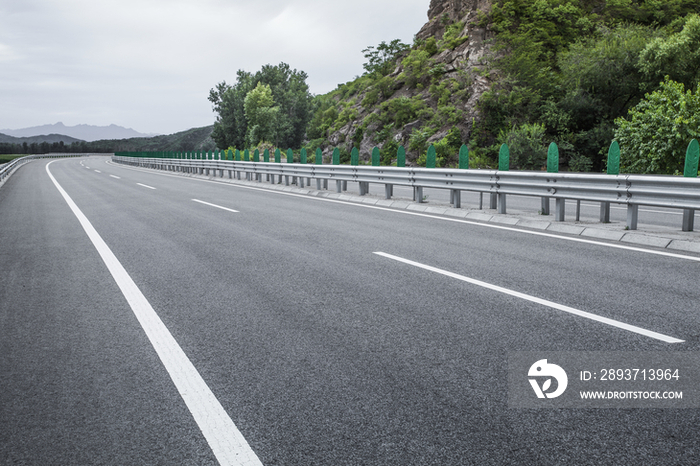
655, 136
676, 56
382, 58
528, 149
261, 115
290, 94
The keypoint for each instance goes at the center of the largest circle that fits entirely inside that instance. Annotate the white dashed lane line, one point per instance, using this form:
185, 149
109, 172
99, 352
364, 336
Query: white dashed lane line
214, 205
543, 302
145, 186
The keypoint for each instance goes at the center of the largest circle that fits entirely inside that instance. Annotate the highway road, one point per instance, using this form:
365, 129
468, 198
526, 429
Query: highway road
150, 318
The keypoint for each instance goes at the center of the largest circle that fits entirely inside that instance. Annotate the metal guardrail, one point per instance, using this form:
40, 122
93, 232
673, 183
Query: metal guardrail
630, 190
9, 168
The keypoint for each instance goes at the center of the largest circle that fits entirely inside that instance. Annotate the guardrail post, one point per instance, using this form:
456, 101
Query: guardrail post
302, 160
456, 194
229, 156
354, 161
553, 167
613, 169
318, 160
498, 200
290, 159
430, 159
692, 157
335, 160
632, 216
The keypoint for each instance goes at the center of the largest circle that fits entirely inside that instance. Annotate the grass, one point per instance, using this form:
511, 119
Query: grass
4, 158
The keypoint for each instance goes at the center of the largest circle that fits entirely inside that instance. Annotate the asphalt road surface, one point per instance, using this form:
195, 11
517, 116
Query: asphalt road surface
150, 318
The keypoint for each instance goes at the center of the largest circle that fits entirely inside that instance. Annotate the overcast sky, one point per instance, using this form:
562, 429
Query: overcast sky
149, 64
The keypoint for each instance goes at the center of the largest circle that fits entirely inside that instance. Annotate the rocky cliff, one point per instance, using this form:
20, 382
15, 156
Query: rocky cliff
432, 94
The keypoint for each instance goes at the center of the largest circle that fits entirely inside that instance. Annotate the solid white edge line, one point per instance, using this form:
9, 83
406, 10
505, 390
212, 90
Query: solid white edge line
145, 186
420, 214
214, 205
224, 438
544, 302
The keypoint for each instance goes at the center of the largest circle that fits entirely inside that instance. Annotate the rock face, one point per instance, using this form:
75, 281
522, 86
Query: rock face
465, 62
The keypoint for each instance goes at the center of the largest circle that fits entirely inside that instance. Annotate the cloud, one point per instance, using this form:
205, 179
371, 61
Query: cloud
149, 64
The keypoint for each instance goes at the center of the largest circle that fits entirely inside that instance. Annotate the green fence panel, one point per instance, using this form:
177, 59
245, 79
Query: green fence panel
400, 157
319, 157
553, 158
692, 156
290, 156
504, 158
464, 157
376, 157
614, 159
354, 156
278, 156
336, 156
302, 157
431, 157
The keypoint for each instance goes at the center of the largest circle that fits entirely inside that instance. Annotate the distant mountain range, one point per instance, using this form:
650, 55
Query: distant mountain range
87, 133
50, 138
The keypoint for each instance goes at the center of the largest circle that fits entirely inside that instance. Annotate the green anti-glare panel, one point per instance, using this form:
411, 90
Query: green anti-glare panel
290, 156
229, 155
401, 157
692, 156
553, 158
504, 158
464, 157
375, 157
319, 157
246, 155
336, 156
278, 156
256, 156
302, 156
614, 159
430, 159
354, 156
266, 155
238, 155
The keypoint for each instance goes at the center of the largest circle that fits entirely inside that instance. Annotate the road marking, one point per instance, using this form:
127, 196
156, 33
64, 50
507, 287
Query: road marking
214, 205
544, 302
224, 438
420, 214
145, 186
115, 176
98, 171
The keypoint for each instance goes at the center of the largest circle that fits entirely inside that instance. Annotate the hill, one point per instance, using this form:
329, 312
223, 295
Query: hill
192, 139
49, 138
80, 132
485, 72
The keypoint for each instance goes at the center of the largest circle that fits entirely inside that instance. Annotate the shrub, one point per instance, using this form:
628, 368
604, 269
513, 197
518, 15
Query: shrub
655, 137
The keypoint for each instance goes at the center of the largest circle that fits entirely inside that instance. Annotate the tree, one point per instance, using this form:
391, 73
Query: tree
677, 56
261, 115
290, 94
656, 134
382, 59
